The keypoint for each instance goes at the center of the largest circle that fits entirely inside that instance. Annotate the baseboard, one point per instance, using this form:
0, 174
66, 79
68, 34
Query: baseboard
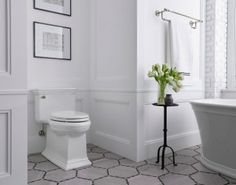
114, 138
177, 142
118, 145
218, 167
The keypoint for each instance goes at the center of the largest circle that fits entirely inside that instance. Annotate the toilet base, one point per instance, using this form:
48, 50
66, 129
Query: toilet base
66, 151
66, 165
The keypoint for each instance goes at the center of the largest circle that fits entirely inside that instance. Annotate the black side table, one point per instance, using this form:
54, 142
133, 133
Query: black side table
164, 146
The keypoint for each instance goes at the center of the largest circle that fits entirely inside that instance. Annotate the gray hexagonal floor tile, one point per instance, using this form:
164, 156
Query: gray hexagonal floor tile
92, 173
197, 157
34, 175
112, 169
127, 162
30, 165
77, 181
152, 170
153, 161
209, 179
183, 169
185, 159
123, 171
174, 179
43, 182
105, 163
99, 150
202, 168
46, 166
199, 150
60, 175
142, 179
94, 156
187, 152
194, 147
110, 181
113, 156
36, 158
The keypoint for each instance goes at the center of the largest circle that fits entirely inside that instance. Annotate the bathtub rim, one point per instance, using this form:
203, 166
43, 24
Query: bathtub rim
229, 172
208, 102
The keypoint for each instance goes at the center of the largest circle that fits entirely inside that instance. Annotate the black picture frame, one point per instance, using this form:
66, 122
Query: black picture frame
35, 47
51, 11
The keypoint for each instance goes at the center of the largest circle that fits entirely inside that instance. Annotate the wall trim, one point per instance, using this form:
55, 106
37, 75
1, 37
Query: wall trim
113, 90
173, 137
112, 137
8, 70
57, 91
122, 102
8, 142
14, 92
154, 90
178, 142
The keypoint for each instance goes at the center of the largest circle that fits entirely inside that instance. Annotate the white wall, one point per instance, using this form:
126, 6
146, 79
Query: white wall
49, 73
13, 96
127, 39
182, 125
113, 45
113, 75
53, 74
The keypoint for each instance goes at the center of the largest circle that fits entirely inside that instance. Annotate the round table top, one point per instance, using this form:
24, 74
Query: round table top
172, 105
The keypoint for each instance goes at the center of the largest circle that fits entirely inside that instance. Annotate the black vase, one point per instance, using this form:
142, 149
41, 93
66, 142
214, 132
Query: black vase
169, 100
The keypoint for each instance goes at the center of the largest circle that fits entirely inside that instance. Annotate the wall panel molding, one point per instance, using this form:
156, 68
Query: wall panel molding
5, 143
5, 68
113, 101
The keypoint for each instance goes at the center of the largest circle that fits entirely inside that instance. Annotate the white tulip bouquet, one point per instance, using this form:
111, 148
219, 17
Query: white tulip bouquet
165, 75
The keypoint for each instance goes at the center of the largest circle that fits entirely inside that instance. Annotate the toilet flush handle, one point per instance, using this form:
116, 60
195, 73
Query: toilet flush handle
43, 97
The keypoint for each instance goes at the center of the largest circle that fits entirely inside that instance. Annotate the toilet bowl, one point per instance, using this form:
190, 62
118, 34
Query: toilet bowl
66, 130
66, 139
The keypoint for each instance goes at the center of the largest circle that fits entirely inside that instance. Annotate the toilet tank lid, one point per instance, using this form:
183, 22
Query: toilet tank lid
69, 115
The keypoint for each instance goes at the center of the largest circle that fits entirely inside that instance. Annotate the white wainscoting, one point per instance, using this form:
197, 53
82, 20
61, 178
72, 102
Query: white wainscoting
5, 142
126, 123
13, 138
177, 142
114, 122
182, 125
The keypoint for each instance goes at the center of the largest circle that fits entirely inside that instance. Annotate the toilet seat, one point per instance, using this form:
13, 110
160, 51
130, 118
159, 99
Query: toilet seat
69, 117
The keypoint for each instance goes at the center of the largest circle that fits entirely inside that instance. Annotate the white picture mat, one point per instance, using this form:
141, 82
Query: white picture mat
50, 43
59, 6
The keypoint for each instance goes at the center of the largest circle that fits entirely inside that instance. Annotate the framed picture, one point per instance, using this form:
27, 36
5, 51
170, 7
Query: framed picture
52, 41
56, 6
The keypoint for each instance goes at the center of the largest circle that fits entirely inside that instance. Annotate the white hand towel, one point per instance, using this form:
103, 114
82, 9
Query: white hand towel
180, 46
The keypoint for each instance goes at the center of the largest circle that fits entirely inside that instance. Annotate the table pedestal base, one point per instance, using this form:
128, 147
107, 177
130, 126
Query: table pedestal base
163, 147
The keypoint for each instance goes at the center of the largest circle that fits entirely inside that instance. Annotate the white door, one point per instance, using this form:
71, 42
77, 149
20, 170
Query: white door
13, 100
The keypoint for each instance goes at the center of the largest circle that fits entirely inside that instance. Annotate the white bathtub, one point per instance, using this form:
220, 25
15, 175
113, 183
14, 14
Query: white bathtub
217, 124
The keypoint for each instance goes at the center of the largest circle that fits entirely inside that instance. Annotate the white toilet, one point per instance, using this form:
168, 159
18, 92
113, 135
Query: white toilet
66, 129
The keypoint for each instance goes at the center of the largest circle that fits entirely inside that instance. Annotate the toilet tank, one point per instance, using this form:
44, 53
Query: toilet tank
49, 101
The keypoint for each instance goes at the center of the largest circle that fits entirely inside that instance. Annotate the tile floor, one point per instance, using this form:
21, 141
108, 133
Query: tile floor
111, 169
